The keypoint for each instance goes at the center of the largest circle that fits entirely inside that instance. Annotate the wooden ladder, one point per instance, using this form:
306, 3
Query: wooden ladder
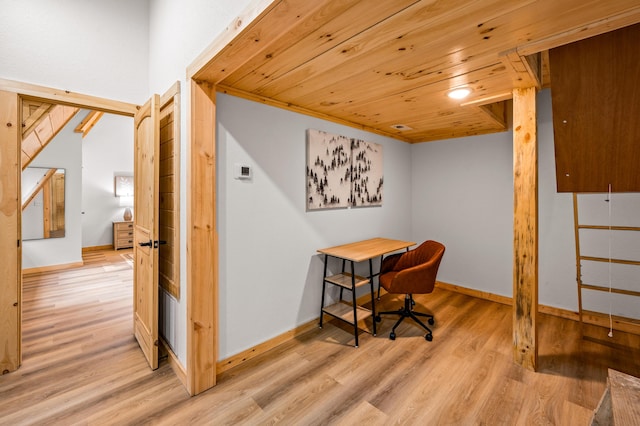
630, 325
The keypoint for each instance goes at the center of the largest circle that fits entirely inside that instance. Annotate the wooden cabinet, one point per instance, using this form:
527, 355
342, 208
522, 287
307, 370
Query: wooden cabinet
122, 235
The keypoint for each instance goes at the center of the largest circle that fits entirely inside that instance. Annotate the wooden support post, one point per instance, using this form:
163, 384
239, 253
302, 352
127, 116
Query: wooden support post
525, 228
526, 71
202, 242
10, 234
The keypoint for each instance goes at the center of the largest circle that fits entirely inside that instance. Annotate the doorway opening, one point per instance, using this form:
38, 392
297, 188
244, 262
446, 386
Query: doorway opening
13, 96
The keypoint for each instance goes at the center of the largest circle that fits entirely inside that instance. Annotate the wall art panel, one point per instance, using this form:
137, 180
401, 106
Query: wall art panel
342, 172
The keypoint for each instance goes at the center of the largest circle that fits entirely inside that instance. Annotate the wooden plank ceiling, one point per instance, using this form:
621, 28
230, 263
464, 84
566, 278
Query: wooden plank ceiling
379, 64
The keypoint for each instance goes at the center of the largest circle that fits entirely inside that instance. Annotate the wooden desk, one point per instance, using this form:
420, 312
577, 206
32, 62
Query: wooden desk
367, 249
355, 252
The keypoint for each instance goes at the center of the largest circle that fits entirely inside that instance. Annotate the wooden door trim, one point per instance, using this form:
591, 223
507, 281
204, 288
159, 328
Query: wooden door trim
202, 236
9, 128
65, 97
202, 242
171, 99
10, 237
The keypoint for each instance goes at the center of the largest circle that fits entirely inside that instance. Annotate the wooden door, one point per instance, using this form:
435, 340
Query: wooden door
145, 218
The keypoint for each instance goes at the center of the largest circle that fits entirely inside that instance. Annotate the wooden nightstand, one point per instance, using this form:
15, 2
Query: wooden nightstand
122, 235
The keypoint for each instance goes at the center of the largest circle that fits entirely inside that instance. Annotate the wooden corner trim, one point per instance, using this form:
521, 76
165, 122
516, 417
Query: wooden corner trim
96, 248
41, 269
174, 363
66, 97
240, 358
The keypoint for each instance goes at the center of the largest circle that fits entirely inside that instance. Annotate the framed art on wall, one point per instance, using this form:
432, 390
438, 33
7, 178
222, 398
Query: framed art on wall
342, 172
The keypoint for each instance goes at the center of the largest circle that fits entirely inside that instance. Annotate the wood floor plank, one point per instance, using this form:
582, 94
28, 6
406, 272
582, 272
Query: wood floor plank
363, 413
83, 366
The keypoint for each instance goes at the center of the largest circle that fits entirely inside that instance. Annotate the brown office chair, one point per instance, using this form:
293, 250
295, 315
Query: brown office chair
409, 273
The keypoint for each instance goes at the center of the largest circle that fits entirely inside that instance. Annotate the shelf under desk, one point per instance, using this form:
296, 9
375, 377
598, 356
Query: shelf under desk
359, 251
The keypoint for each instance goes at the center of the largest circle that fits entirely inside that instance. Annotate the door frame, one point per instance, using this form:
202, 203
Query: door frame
62, 97
201, 285
11, 235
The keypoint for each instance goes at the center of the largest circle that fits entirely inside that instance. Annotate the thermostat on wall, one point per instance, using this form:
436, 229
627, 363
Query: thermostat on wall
242, 171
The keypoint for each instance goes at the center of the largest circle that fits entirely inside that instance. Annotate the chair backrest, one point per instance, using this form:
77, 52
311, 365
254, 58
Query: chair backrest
415, 271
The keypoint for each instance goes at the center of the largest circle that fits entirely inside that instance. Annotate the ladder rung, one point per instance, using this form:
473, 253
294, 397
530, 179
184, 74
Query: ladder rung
607, 260
613, 290
613, 228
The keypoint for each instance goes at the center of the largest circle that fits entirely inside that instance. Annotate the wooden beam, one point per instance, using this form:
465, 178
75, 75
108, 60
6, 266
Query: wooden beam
525, 71
10, 235
601, 26
38, 187
45, 130
496, 112
486, 100
290, 107
46, 209
65, 97
222, 44
202, 242
31, 120
88, 122
525, 228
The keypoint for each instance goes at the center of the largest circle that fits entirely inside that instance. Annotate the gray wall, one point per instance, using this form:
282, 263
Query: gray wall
270, 273
106, 150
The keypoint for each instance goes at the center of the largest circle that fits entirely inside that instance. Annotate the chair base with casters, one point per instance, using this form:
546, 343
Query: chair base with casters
408, 312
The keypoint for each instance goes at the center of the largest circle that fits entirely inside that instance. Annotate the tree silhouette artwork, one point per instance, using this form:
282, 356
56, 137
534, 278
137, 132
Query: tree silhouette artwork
342, 172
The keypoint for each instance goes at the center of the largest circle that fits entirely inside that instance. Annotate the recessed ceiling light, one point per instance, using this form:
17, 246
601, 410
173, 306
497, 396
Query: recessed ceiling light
401, 127
459, 93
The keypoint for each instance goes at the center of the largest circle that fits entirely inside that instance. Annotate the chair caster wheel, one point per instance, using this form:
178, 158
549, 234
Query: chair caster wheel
431, 321
378, 319
429, 337
392, 336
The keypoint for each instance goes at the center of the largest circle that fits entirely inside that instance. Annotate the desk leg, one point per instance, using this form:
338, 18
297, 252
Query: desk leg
378, 278
355, 310
324, 287
373, 300
343, 271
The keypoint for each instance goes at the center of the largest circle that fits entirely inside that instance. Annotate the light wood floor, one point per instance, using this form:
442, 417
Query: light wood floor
83, 366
